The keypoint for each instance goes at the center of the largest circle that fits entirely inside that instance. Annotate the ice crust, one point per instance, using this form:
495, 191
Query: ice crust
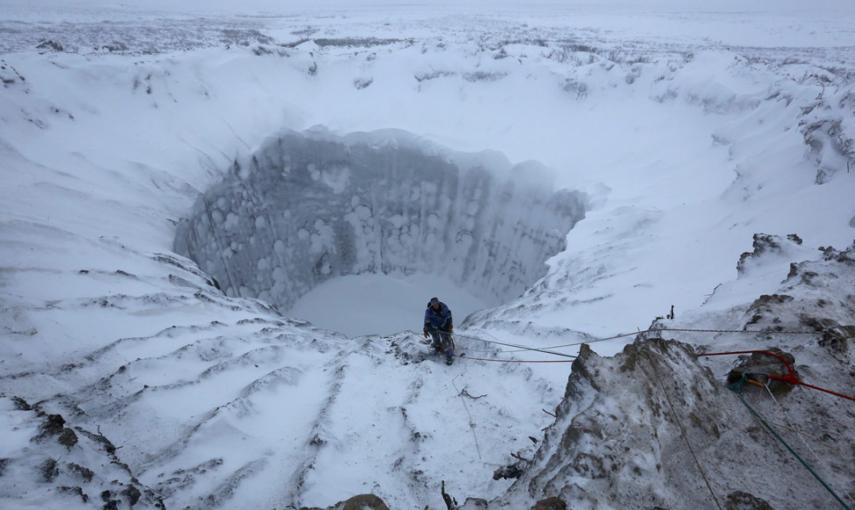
308, 208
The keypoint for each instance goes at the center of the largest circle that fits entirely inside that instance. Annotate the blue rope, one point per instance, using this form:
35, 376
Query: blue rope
736, 387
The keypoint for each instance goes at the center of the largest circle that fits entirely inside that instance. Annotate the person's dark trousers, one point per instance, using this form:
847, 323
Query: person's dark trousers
441, 341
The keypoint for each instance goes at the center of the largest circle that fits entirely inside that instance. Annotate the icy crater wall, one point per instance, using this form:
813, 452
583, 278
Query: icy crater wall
308, 207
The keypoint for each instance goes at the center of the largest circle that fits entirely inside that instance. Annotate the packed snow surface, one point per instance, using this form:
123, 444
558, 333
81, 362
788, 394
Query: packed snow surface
686, 133
380, 304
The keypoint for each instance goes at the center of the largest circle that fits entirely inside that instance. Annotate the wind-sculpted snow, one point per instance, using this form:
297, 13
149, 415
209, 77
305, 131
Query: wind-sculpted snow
280, 409
305, 209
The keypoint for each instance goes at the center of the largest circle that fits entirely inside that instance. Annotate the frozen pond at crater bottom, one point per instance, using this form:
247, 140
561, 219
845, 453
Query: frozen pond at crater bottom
371, 303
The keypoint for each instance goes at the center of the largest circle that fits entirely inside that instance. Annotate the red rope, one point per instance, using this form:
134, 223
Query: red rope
841, 395
790, 377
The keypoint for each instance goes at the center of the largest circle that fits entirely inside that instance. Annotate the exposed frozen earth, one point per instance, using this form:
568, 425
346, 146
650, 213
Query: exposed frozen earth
308, 208
687, 134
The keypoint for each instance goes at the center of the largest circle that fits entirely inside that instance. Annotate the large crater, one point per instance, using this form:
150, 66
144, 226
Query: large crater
311, 207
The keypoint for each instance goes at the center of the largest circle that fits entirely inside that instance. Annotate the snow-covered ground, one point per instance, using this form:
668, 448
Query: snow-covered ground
371, 304
688, 131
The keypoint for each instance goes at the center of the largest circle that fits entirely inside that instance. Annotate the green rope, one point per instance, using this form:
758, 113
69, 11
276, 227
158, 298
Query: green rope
737, 388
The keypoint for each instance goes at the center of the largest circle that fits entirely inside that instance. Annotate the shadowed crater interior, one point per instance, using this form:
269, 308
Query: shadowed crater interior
310, 207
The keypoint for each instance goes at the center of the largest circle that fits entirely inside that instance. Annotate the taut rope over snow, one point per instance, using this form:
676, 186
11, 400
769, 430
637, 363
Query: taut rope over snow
655, 330
517, 360
471, 421
521, 347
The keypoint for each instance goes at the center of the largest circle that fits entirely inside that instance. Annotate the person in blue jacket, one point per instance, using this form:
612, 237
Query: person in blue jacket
439, 325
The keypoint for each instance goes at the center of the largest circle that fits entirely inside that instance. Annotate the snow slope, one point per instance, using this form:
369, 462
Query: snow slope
689, 133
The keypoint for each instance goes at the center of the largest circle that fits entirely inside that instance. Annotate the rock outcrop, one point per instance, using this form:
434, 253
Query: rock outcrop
360, 502
65, 466
657, 426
